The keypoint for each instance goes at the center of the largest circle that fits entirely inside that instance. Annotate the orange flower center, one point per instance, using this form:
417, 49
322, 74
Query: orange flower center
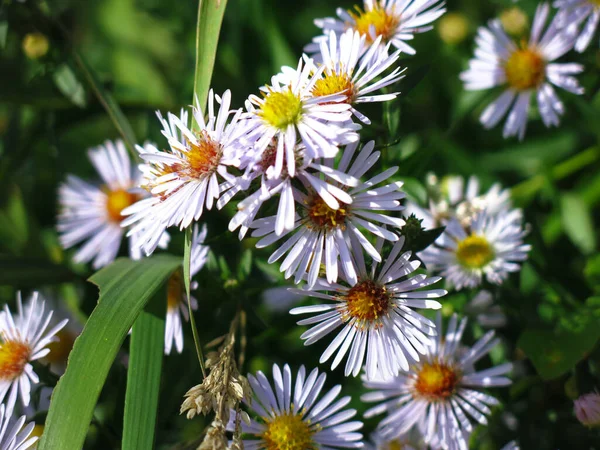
333, 83
117, 201
367, 302
525, 69
436, 381
175, 289
14, 355
383, 22
322, 216
203, 158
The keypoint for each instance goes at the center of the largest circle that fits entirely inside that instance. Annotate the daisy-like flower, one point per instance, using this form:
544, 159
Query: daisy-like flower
491, 247
451, 199
23, 339
322, 233
290, 111
294, 418
523, 69
575, 12
587, 409
379, 326
91, 213
441, 394
311, 174
394, 21
177, 301
15, 435
351, 68
184, 179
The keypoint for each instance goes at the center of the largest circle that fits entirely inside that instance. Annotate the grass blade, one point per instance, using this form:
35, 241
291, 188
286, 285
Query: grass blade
143, 375
125, 288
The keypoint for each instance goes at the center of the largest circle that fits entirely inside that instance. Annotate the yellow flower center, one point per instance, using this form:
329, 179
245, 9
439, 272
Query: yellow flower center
288, 432
281, 109
436, 381
37, 431
395, 445
117, 201
203, 158
474, 252
333, 83
367, 302
175, 289
59, 350
525, 69
14, 355
595, 2
322, 216
377, 18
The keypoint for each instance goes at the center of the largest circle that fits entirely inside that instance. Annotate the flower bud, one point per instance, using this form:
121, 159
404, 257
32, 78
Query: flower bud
35, 45
514, 21
453, 28
587, 409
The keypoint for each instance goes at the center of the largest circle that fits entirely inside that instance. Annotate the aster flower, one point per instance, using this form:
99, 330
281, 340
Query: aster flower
523, 69
23, 339
289, 111
14, 435
312, 175
575, 12
450, 198
379, 326
91, 213
394, 21
351, 68
491, 247
293, 417
184, 180
441, 394
177, 301
587, 409
322, 233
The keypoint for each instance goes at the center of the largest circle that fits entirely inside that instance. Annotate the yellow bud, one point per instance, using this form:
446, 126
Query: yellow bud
514, 21
453, 28
35, 45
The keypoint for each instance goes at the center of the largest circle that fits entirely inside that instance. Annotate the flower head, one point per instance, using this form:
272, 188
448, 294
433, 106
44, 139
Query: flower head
379, 326
524, 69
441, 393
491, 247
91, 213
292, 417
391, 21
185, 179
14, 435
23, 339
587, 409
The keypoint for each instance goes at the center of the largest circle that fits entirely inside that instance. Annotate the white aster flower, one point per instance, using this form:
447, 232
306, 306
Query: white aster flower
184, 179
491, 247
14, 435
91, 213
523, 69
292, 417
352, 68
575, 12
322, 233
23, 339
442, 393
177, 302
379, 326
451, 199
311, 174
395, 21
288, 112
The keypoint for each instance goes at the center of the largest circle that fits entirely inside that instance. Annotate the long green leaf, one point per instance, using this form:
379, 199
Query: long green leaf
210, 17
125, 287
143, 375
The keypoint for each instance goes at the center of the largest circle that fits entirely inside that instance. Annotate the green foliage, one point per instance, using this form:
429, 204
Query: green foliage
125, 287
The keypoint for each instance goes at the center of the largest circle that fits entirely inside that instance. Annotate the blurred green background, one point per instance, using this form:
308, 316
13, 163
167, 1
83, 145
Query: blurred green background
142, 52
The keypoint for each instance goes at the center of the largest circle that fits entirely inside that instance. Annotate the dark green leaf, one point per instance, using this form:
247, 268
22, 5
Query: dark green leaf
30, 272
